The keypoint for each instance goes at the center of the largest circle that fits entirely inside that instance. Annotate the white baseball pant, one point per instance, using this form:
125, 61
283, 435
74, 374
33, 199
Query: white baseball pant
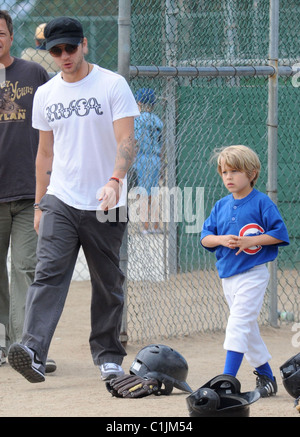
244, 294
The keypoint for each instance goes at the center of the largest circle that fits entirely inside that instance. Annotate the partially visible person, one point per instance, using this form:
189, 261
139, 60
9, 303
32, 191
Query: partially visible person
39, 54
18, 148
245, 230
148, 134
85, 116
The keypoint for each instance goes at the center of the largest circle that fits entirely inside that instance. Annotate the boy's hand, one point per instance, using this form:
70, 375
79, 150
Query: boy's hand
241, 243
229, 241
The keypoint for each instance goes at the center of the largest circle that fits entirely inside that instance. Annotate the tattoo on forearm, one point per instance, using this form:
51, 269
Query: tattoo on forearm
49, 172
126, 153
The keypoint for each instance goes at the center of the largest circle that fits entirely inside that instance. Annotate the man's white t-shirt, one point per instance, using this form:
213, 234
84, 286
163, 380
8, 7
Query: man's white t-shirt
81, 116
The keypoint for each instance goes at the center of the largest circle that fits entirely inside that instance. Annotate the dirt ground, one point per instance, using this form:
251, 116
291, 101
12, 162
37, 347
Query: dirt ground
76, 390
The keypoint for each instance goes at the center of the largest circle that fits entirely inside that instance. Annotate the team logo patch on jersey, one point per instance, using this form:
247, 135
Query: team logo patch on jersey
251, 229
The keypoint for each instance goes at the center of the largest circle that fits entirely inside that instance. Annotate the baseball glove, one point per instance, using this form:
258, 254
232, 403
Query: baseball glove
132, 386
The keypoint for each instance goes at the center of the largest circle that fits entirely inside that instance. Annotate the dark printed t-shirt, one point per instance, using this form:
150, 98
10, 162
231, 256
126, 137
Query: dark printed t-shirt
18, 139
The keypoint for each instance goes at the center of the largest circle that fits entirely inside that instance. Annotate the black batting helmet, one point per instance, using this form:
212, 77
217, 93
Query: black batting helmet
290, 373
164, 364
221, 397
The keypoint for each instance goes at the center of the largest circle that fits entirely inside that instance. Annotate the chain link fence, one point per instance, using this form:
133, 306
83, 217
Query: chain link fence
208, 62
215, 105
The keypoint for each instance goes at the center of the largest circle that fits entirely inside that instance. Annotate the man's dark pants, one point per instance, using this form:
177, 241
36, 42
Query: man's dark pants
63, 230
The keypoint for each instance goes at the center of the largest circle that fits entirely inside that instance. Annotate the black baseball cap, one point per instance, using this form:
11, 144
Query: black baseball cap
63, 30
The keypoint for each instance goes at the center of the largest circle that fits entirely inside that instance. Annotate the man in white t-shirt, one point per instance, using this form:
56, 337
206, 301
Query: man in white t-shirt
85, 116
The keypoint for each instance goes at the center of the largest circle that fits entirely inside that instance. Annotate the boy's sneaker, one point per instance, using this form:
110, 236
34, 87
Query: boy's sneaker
2, 357
110, 371
24, 361
265, 385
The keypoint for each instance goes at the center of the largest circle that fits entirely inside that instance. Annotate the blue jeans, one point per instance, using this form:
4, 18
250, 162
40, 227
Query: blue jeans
63, 230
16, 232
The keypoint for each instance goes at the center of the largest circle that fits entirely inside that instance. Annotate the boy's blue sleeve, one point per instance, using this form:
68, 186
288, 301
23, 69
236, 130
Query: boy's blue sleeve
275, 226
209, 228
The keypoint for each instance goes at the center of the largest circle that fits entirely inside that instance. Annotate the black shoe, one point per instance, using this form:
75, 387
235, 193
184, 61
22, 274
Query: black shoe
2, 357
24, 361
50, 365
265, 385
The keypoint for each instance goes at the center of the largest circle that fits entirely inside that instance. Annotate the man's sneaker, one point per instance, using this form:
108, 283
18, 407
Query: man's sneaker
110, 371
2, 357
265, 385
50, 366
24, 361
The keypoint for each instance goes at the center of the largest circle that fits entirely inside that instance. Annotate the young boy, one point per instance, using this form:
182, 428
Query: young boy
148, 134
245, 229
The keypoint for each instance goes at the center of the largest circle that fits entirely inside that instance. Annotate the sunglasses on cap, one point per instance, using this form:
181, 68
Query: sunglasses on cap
68, 48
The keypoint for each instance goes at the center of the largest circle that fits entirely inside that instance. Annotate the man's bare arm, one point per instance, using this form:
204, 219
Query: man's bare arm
44, 161
126, 150
126, 144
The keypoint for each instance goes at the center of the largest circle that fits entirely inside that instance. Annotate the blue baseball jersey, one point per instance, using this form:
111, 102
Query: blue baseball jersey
255, 214
148, 133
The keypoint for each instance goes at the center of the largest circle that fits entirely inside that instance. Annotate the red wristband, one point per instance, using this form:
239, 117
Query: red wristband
116, 179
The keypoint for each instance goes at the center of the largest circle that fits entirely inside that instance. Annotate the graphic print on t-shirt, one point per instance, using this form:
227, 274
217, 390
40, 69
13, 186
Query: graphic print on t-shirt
10, 110
251, 229
80, 108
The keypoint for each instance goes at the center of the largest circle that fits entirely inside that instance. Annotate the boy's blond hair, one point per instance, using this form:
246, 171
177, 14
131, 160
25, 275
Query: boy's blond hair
240, 158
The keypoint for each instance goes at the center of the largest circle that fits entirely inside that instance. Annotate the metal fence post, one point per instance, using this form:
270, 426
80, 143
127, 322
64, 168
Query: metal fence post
124, 28
171, 55
272, 141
